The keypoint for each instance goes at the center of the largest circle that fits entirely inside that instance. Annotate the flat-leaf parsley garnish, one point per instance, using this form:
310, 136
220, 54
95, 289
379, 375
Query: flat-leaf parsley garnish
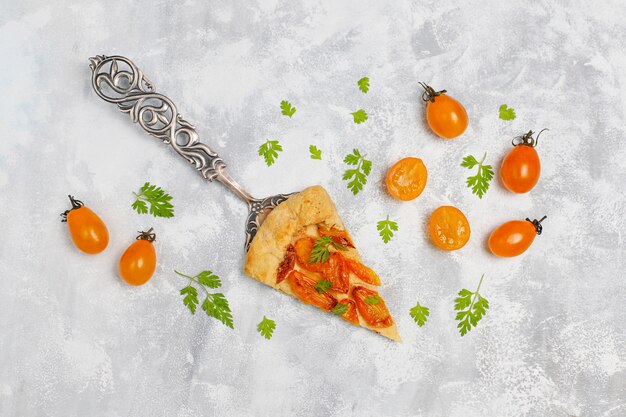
471, 307
357, 177
386, 228
372, 300
479, 183
269, 151
323, 285
315, 152
159, 200
214, 305
320, 252
506, 113
420, 314
359, 116
364, 84
340, 309
287, 109
266, 327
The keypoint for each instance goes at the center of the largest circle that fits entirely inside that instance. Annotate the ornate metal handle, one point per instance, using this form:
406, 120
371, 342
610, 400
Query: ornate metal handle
117, 79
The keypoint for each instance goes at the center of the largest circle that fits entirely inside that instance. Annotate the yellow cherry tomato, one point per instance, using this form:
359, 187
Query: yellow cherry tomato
521, 167
515, 237
445, 115
138, 262
88, 231
449, 228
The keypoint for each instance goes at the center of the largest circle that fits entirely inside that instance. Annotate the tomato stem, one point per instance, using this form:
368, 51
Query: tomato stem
527, 139
149, 236
429, 93
476, 294
480, 282
76, 204
537, 224
197, 281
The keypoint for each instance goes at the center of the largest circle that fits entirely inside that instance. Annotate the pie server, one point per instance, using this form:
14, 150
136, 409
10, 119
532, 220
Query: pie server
117, 79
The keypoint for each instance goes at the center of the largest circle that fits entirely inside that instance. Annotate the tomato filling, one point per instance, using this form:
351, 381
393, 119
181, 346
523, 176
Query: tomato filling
303, 248
372, 307
304, 287
339, 236
350, 315
336, 270
286, 265
363, 272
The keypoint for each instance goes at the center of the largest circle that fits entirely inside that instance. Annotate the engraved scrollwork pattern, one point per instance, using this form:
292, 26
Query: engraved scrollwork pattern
117, 80
258, 207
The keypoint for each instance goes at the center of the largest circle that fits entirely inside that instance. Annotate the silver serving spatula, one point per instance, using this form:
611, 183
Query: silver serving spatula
117, 79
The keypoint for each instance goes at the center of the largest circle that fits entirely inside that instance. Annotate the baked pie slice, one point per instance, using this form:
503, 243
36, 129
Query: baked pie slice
304, 250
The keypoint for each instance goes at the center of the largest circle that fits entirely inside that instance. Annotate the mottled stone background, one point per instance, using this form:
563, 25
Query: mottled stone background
76, 341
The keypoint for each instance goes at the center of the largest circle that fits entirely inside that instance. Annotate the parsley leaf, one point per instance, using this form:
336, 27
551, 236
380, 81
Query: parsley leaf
340, 309
320, 252
471, 307
359, 116
287, 108
266, 327
359, 174
159, 200
323, 285
191, 298
269, 151
315, 152
420, 314
140, 206
215, 304
364, 84
479, 182
372, 300
386, 228
506, 113
209, 279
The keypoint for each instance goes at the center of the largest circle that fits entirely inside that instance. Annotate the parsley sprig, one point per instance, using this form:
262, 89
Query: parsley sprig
266, 327
386, 228
320, 252
358, 175
269, 151
372, 300
471, 307
315, 152
215, 304
340, 309
479, 182
359, 116
506, 113
420, 314
364, 84
287, 108
323, 285
158, 199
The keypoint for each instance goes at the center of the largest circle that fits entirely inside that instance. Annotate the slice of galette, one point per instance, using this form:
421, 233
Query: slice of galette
303, 249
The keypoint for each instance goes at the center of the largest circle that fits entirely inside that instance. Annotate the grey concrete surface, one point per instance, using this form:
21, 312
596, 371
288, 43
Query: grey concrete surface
76, 341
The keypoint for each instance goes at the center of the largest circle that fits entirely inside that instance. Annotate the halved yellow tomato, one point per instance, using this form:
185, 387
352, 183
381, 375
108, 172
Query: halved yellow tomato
363, 272
350, 315
304, 287
371, 307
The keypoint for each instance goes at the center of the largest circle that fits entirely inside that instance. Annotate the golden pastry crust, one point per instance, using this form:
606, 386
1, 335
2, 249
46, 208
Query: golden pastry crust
298, 216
